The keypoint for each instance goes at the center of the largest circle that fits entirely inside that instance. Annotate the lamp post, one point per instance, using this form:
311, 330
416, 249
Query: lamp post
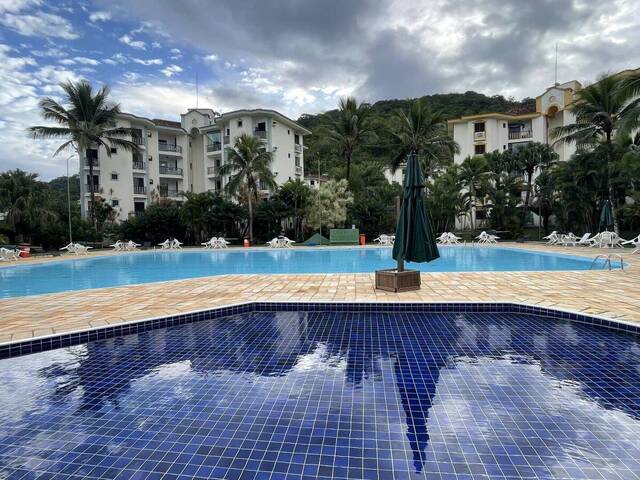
69, 200
319, 206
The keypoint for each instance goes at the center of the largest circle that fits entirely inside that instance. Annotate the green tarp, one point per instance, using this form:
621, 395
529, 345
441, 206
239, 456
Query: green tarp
316, 239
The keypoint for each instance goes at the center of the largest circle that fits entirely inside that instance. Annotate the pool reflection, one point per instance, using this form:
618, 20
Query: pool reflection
331, 395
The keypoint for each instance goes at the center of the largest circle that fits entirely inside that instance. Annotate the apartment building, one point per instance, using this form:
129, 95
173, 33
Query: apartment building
488, 132
185, 156
492, 131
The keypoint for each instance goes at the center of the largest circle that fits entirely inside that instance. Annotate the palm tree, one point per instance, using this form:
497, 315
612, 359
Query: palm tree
422, 131
474, 173
601, 110
85, 119
350, 130
196, 212
535, 156
248, 163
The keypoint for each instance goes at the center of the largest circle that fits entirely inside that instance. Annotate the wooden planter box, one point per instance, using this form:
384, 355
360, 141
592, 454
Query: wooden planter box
393, 281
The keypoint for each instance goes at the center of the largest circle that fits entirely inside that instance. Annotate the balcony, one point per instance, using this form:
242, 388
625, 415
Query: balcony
96, 188
479, 136
139, 190
518, 134
297, 148
212, 171
165, 191
214, 147
170, 171
260, 133
226, 139
138, 140
138, 165
167, 147
298, 170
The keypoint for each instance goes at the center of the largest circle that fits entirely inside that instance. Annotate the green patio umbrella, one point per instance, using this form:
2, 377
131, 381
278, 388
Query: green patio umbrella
606, 215
414, 241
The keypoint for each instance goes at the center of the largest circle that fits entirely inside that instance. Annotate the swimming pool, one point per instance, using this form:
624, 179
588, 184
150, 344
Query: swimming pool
305, 395
126, 269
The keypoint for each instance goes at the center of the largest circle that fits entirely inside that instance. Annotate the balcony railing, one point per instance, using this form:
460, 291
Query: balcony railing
137, 140
214, 146
298, 170
167, 147
212, 170
170, 170
517, 134
297, 148
139, 190
138, 165
167, 192
96, 188
479, 135
138, 213
226, 139
96, 163
260, 133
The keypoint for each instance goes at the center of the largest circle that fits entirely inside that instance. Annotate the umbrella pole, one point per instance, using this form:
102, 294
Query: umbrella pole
400, 264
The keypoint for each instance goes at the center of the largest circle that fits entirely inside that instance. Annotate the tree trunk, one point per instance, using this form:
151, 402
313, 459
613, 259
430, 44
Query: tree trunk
348, 168
616, 227
527, 197
92, 195
250, 219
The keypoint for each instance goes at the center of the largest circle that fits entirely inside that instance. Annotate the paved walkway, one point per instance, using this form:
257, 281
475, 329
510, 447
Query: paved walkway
614, 294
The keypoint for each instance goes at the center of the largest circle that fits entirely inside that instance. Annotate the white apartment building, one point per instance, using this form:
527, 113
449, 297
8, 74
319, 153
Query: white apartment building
489, 132
185, 156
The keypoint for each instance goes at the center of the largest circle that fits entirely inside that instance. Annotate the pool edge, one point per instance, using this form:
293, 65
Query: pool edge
61, 340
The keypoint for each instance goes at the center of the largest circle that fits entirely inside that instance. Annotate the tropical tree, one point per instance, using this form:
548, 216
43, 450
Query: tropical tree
601, 110
329, 207
349, 130
529, 160
422, 131
474, 173
85, 119
249, 166
445, 199
196, 214
25, 202
295, 194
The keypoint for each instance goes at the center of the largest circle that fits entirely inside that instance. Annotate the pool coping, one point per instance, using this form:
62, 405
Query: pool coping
77, 337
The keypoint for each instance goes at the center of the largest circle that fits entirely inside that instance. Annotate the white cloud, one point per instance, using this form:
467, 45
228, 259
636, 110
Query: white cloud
156, 45
80, 60
100, 17
13, 6
116, 58
137, 44
152, 61
171, 70
39, 24
212, 57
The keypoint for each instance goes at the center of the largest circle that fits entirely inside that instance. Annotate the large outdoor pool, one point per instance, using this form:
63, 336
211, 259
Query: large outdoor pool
307, 395
126, 269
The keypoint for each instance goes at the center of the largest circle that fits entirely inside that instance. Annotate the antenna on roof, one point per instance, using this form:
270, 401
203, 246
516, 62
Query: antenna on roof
197, 88
556, 69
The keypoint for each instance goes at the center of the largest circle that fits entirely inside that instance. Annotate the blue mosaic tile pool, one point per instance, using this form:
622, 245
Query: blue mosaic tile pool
304, 394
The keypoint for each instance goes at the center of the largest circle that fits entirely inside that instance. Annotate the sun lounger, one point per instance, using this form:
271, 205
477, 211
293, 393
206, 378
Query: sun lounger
131, 245
385, 240
9, 254
166, 245
118, 246
552, 238
635, 242
585, 239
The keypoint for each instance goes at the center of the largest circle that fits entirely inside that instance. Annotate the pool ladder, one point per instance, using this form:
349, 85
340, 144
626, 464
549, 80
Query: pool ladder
607, 260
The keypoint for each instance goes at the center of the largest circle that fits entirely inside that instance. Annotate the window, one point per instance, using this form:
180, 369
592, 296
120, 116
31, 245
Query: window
228, 132
504, 147
115, 203
296, 139
239, 123
297, 161
504, 125
114, 150
289, 155
478, 127
480, 149
114, 176
218, 185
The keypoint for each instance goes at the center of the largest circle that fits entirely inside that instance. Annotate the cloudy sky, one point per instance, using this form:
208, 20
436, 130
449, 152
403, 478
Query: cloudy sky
292, 55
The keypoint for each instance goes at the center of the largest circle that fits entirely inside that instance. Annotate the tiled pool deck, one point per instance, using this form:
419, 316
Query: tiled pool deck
610, 294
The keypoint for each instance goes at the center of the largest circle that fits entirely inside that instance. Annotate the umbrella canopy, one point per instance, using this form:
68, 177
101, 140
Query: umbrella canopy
606, 215
414, 241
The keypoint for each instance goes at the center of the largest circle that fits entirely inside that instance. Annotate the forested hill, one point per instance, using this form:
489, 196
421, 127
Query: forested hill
452, 105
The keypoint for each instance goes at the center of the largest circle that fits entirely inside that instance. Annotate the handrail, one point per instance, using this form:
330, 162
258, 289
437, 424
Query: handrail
607, 262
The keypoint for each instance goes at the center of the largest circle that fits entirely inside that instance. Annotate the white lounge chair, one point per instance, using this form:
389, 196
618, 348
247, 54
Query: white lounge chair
9, 254
635, 242
81, 249
118, 246
131, 245
486, 238
210, 243
384, 240
273, 243
221, 243
176, 244
584, 240
286, 242
552, 238
166, 245
568, 239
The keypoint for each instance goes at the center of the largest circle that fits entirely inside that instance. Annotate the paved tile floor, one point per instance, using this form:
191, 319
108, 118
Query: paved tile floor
614, 294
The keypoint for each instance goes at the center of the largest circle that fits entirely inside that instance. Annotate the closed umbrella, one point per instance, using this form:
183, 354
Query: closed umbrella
415, 241
606, 215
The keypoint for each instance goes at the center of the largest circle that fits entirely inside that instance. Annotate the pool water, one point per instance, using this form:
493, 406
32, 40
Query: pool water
293, 395
126, 269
